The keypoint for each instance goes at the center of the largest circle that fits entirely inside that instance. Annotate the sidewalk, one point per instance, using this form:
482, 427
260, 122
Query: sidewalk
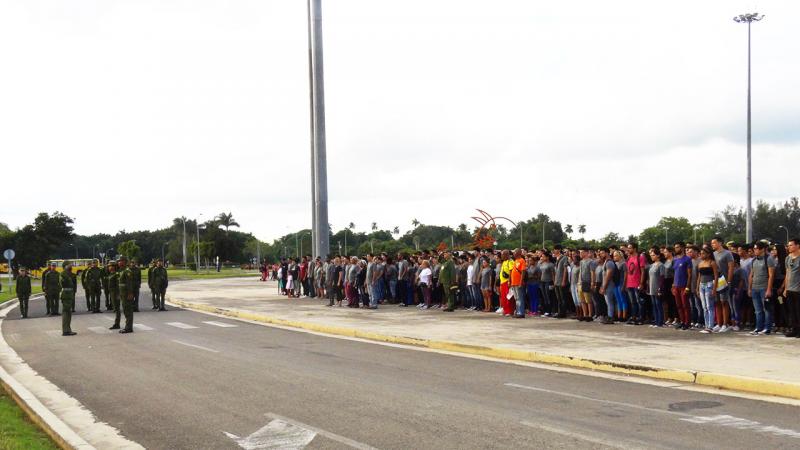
760, 364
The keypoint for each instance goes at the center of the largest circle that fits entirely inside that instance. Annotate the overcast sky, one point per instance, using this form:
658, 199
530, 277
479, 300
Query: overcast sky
125, 114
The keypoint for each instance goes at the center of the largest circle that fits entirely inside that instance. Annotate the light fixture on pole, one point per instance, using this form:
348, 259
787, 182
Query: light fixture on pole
748, 19
787, 233
666, 236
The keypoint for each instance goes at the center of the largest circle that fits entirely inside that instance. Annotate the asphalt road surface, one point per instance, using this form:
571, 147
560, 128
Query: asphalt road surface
194, 381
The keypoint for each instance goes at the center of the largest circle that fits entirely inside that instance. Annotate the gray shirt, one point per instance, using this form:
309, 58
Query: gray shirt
608, 267
793, 274
655, 274
561, 268
402, 269
391, 272
486, 278
723, 258
587, 266
548, 271
574, 274
352, 273
669, 271
760, 269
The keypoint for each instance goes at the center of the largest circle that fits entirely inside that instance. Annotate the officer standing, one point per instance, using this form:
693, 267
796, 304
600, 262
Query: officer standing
113, 290
85, 290
67, 299
126, 285
23, 291
93, 280
447, 278
137, 283
160, 283
52, 288
104, 278
150, 283
74, 279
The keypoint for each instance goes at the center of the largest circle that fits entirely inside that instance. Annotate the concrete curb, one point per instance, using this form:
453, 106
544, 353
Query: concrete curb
720, 381
63, 436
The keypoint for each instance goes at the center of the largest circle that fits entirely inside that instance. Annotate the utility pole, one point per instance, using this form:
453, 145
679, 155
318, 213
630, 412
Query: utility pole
749, 19
197, 251
319, 165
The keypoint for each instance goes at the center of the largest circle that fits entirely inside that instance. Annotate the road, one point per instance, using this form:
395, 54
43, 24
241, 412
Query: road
185, 380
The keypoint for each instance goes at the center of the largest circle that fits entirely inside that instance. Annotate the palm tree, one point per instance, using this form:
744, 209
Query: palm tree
226, 220
582, 230
374, 226
462, 227
396, 230
352, 226
415, 223
568, 229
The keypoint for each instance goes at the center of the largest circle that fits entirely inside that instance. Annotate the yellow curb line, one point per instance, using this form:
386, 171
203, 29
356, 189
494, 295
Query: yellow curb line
728, 382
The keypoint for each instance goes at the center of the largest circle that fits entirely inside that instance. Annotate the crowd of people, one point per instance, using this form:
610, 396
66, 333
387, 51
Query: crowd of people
714, 287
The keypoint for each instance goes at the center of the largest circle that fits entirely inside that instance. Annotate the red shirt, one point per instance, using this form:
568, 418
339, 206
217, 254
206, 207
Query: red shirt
303, 271
635, 271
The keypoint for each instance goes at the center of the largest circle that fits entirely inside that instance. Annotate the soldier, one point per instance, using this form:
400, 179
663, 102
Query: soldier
23, 291
85, 291
67, 299
104, 277
150, 283
73, 278
93, 280
447, 278
160, 282
52, 288
126, 286
113, 291
137, 283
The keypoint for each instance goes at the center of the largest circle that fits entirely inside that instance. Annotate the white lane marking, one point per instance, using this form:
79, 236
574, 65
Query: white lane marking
13, 337
100, 330
181, 325
721, 420
743, 424
195, 346
276, 435
220, 324
582, 437
53, 333
332, 436
143, 327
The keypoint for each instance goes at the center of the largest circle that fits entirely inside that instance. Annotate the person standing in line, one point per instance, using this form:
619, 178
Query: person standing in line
635, 283
547, 272
698, 315
23, 291
376, 281
113, 291
561, 280
532, 278
92, 283
150, 284
607, 285
136, 271
447, 278
574, 283
424, 282
506, 267
707, 282
331, 279
517, 276
85, 291
51, 285
437, 293
486, 285
126, 293
587, 281
760, 284
670, 310
477, 293
655, 283
160, 283
682, 268
104, 277
391, 279
303, 276
619, 286
724, 259
791, 290
470, 287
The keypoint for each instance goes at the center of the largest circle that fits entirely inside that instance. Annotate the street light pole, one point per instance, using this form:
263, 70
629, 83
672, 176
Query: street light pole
197, 250
749, 19
319, 172
787, 233
183, 219
666, 237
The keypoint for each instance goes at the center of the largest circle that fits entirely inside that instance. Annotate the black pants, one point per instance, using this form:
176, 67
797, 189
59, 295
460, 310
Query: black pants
793, 304
23, 305
561, 298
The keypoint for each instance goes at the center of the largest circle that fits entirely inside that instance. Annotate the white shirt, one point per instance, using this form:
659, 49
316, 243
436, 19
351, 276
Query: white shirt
470, 272
425, 276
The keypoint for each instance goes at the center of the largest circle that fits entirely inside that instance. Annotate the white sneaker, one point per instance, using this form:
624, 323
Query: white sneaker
754, 333
499, 311
724, 329
735, 328
716, 329
706, 331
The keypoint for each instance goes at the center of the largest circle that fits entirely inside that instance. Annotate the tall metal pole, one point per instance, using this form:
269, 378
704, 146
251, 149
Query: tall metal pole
749, 19
312, 131
184, 242
197, 250
320, 170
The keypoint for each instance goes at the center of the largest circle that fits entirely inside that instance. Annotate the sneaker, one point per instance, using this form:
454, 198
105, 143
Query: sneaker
735, 328
724, 329
499, 311
753, 333
705, 331
716, 329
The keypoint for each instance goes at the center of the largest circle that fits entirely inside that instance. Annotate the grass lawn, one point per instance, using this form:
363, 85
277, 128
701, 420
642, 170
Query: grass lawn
36, 287
16, 431
183, 274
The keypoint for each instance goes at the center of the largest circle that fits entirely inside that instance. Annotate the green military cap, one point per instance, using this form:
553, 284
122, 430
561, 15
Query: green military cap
111, 262
122, 258
23, 268
66, 263
53, 263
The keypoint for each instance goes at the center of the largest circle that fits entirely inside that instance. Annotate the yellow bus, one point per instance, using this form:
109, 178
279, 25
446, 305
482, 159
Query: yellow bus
78, 265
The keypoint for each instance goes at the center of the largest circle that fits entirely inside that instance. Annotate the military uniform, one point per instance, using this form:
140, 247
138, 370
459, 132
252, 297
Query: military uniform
23, 293
447, 278
93, 277
104, 277
137, 284
74, 280
150, 284
126, 284
113, 290
160, 282
85, 291
51, 285
68, 282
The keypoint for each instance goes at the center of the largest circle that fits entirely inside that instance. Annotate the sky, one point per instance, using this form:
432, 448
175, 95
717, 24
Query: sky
126, 114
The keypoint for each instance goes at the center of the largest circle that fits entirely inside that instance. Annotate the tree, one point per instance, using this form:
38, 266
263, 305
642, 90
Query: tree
36, 243
129, 249
396, 230
582, 230
568, 229
667, 231
226, 221
610, 239
374, 226
415, 223
4, 230
352, 226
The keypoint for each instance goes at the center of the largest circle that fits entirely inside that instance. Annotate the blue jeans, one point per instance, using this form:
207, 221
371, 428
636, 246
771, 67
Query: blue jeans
393, 289
377, 293
477, 297
658, 310
610, 302
763, 314
637, 303
409, 291
533, 297
622, 303
708, 300
519, 297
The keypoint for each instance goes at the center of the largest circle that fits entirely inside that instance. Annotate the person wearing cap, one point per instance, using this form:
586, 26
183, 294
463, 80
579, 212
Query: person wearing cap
93, 280
447, 278
150, 283
106, 273
67, 299
85, 291
23, 291
51, 285
137, 283
160, 282
126, 285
